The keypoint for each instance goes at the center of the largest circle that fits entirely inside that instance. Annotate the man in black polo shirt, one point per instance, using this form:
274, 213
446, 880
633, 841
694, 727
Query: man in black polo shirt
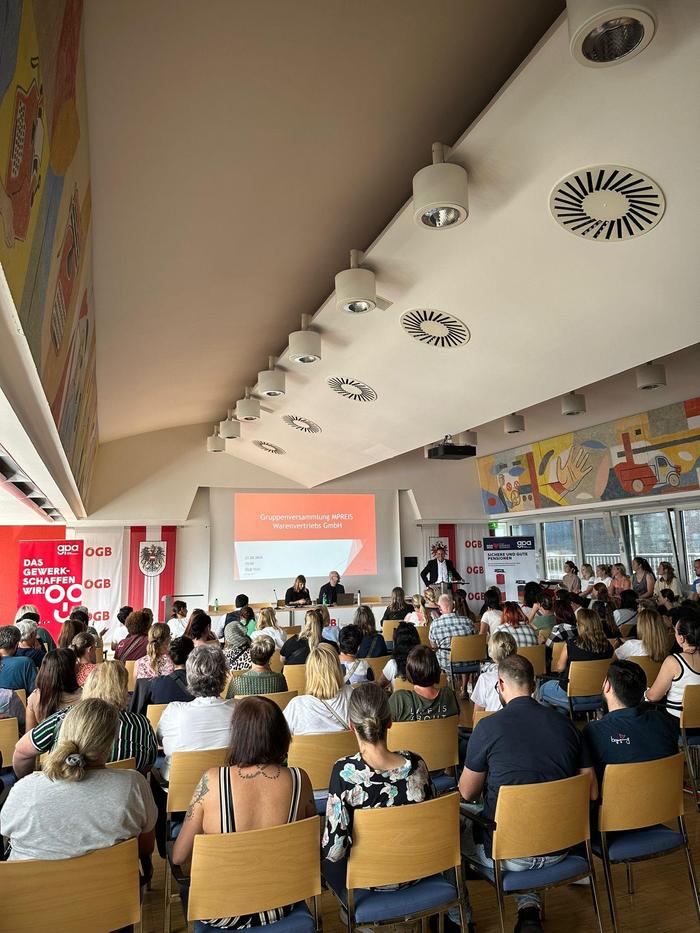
628, 732
524, 743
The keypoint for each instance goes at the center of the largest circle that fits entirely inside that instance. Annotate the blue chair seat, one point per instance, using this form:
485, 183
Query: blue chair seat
465, 667
379, 906
585, 704
444, 782
300, 920
531, 878
175, 828
321, 804
692, 740
639, 843
8, 778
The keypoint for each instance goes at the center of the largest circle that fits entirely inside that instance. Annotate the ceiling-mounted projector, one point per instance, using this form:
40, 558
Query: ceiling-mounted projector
448, 450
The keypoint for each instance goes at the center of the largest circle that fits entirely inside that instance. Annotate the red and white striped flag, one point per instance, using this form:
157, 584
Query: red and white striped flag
151, 566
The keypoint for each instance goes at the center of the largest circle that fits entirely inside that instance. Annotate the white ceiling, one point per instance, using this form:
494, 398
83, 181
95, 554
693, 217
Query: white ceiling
195, 286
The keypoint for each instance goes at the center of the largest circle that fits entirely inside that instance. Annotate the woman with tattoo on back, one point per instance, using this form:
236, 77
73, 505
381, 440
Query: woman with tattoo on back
265, 791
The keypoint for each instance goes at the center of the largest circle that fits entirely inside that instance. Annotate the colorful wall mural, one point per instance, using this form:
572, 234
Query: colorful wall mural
645, 454
45, 210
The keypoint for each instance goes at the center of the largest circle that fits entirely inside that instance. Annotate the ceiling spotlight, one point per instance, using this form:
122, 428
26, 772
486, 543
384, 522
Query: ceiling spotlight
271, 381
231, 427
215, 443
650, 376
248, 409
440, 193
606, 33
513, 424
466, 439
573, 403
355, 288
305, 344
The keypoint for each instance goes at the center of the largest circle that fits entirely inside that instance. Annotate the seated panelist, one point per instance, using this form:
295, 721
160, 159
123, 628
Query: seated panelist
330, 591
297, 594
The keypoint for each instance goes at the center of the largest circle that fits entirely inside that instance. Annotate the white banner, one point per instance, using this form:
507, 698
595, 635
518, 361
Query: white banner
510, 563
102, 574
469, 560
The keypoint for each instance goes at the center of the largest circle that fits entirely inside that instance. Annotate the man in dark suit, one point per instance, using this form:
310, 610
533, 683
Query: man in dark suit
439, 570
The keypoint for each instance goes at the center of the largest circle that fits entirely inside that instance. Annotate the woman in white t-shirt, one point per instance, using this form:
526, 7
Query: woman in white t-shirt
603, 574
492, 618
587, 579
484, 695
76, 805
267, 625
324, 706
653, 638
177, 623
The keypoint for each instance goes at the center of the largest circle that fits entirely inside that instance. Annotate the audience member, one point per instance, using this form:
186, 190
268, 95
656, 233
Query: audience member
604, 610
565, 626
267, 625
525, 743
120, 631
156, 662
16, 673
628, 608
571, 580
248, 619
398, 608
199, 629
587, 579
430, 596
170, 687
603, 574
83, 646
406, 637
177, 623
254, 790
29, 645
679, 670
695, 582
667, 580
643, 579
653, 638
372, 644
629, 731
295, 650
589, 644
135, 645
492, 612
485, 694
235, 616
355, 670
73, 626
135, 738
515, 624
541, 614
259, 679
237, 646
324, 706
420, 615
56, 686
75, 805
204, 722
620, 581
329, 629
426, 699
448, 626
31, 613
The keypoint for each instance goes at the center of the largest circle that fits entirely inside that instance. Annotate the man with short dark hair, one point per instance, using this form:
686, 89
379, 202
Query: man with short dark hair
16, 673
440, 571
524, 743
629, 731
235, 616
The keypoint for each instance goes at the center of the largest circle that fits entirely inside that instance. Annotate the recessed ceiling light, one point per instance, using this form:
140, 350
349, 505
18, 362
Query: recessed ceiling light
603, 33
248, 408
573, 403
305, 344
230, 428
215, 443
440, 193
650, 376
513, 424
271, 381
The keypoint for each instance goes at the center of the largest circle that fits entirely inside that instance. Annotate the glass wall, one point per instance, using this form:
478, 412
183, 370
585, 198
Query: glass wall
599, 541
650, 537
559, 546
691, 536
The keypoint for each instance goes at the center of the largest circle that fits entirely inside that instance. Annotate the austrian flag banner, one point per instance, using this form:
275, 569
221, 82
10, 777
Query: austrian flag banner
51, 578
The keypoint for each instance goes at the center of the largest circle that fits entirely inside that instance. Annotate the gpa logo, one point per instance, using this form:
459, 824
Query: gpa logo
63, 549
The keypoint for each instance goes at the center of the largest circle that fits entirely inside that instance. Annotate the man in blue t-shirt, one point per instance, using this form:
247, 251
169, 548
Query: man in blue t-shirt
524, 743
629, 732
16, 673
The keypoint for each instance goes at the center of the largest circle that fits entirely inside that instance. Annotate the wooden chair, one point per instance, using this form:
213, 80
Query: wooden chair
295, 675
378, 664
400, 683
22, 696
126, 764
276, 662
435, 740
153, 713
130, 665
110, 901
186, 768
536, 655
626, 628
424, 634
317, 753
637, 819
9, 737
281, 699
467, 649
99, 655
690, 719
586, 680
290, 630
557, 649
220, 884
519, 831
392, 845
478, 715
388, 628
651, 668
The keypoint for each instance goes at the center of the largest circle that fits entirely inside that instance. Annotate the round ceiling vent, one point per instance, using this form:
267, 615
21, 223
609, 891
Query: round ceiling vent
269, 448
607, 202
435, 328
352, 388
301, 424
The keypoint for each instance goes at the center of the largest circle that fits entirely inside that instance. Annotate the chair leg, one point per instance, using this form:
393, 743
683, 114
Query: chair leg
594, 887
499, 895
630, 879
168, 890
691, 870
692, 769
350, 912
607, 868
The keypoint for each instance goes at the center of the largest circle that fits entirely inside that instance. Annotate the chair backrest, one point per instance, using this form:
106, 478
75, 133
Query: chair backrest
690, 714
127, 764
400, 683
395, 844
276, 662
22, 696
650, 667
641, 794
220, 884
186, 768
99, 655
130, 665
521, 830
424, 634
480, 714
290, 630
317, 753
295, 675
281, 699
586, 677
626, 628
467, 648
109, 902
378, 664
536, 655
557, 649
435, 740
389, 627
153, 713
9, 737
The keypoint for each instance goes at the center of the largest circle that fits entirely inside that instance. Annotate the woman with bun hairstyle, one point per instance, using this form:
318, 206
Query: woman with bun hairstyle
571, 579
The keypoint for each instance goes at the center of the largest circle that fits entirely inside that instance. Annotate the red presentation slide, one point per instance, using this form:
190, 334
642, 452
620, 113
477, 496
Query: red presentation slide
284, 534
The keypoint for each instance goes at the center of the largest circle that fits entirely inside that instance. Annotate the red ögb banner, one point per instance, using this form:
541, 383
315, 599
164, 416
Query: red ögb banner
51, 578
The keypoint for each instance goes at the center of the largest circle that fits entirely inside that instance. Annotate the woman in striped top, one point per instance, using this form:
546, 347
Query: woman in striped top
255, 790
135, 738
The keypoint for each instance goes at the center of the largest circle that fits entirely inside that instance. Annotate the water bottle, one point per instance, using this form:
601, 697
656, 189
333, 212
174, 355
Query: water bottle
216, 605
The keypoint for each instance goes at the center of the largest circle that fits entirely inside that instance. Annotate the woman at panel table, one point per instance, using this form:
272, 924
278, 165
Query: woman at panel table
297, 594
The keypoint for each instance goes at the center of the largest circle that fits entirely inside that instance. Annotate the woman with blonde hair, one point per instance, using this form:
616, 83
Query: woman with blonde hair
484, 695
324, 706
267, 625
84, 647
60, 812
156, 662
297, 648
667, 580
589, 644
420, 615
135, 738
653, 638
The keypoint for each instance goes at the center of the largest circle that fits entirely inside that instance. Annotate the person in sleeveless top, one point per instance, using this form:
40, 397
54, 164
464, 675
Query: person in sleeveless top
254, 790
643, 579
679, 670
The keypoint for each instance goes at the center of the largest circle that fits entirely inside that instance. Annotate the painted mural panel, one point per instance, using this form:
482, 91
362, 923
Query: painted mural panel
45, 210
646, 454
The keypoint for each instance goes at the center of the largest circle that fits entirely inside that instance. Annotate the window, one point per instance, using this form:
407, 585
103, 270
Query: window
559, 546
650, 537
691, 534
600, 542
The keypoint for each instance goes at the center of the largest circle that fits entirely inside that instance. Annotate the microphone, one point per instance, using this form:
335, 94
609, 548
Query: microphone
275, 592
